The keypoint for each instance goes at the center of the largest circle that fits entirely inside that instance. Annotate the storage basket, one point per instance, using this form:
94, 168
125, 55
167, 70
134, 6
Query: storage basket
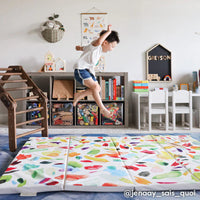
52, 35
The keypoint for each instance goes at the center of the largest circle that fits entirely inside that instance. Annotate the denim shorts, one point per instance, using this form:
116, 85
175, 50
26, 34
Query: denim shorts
83, 74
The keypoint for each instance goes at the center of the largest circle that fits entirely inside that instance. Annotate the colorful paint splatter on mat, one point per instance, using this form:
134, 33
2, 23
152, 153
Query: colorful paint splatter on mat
104, 164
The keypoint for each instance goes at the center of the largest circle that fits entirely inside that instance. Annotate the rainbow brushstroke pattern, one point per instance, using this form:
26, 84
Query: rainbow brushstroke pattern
104, 164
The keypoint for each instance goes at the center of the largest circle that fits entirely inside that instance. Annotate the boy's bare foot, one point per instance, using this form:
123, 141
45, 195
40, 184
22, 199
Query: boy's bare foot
106, 113
76, 98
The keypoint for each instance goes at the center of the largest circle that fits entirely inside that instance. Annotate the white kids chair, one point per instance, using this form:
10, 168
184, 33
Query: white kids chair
157, 105
181, 104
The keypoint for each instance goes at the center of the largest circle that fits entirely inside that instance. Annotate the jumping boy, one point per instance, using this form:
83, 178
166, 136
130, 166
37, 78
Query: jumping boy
84, 67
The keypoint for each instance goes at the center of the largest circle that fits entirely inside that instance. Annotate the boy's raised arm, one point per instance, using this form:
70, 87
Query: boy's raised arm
101, 39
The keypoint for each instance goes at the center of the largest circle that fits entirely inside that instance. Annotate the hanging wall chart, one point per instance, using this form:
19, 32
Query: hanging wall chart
91, 25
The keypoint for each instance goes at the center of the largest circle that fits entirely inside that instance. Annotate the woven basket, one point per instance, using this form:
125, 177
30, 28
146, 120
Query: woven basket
53, 35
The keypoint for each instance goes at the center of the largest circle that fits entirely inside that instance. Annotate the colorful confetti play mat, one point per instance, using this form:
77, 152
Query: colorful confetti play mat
77, 163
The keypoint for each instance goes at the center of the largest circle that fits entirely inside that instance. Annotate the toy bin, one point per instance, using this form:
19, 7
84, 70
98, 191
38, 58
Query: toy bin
117, 117
35, 114
62, 114
87, 114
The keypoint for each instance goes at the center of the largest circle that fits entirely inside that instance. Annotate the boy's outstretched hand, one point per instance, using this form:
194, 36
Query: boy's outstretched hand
79, 48
109, 27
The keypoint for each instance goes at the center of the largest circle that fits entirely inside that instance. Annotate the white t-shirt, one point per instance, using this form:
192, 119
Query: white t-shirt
89, 58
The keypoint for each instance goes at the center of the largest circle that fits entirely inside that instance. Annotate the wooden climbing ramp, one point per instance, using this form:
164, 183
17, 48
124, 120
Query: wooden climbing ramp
17, 76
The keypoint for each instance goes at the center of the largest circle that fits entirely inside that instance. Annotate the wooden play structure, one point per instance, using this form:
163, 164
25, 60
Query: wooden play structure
11, 103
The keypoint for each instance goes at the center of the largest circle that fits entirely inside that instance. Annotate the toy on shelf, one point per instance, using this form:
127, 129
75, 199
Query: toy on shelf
196, 76
87, 114
60, 65
117, 114
184, 86
53, 65
34, 114
140, 86
49, 62
153, 77
62, 114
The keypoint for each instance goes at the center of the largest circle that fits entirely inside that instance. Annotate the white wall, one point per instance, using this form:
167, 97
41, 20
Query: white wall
140, 23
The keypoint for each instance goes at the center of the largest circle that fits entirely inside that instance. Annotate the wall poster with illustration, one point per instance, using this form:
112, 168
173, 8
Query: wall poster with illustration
91, 25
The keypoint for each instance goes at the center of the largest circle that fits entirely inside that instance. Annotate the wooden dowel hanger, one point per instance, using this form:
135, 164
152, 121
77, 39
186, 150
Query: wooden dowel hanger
98, 12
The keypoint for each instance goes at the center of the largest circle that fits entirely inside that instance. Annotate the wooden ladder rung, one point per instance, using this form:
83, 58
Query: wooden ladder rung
6, 69
29, 110
20, 88
29, 132
26, 98
13, 81
9, 74
30, 121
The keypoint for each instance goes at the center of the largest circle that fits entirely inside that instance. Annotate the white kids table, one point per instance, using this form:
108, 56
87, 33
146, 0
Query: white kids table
139, 98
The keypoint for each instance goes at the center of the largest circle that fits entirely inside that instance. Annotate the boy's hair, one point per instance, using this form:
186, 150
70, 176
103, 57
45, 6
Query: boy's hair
112, 37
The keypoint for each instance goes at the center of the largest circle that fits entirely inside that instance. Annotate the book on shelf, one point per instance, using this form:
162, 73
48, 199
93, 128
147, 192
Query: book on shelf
114, 88
118, 80
122, 92
106, 90
110, 88
118, 92
103, 94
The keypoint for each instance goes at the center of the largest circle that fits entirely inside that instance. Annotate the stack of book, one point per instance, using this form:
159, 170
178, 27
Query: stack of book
111, 89
140, 86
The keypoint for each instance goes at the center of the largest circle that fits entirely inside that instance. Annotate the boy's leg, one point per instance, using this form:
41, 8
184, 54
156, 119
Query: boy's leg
95, 89
80, 75
80, 95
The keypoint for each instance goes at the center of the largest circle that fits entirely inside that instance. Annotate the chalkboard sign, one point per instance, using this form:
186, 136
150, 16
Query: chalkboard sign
158, 64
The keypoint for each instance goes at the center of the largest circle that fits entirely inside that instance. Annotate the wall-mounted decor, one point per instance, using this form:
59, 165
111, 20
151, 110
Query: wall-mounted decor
158, 60
91, 25
52, 30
